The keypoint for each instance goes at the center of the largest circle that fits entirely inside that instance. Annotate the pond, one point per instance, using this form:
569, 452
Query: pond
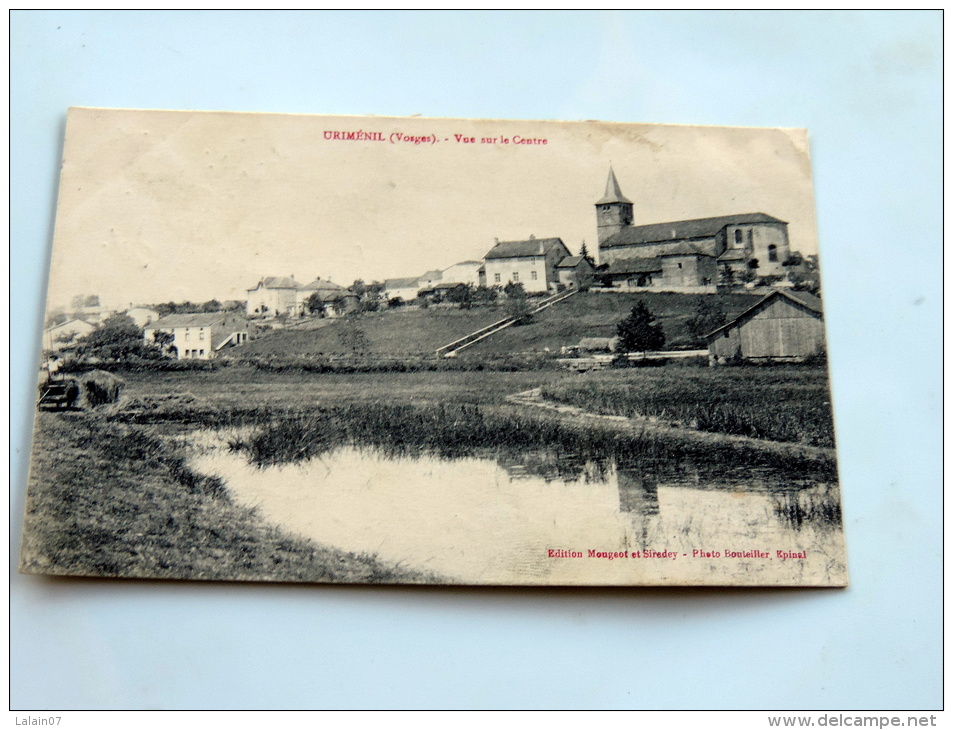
536, 518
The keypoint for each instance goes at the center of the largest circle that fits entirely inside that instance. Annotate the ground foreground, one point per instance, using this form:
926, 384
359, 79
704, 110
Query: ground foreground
111, 492
112, 500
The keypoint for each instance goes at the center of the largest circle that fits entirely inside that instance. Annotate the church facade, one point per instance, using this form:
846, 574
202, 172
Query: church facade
689, 254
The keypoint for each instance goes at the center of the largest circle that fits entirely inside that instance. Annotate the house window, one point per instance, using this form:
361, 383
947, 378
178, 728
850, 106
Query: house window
516, 276
532, 275
496, 278
750, 237
186, 335
772, 253
202, 334
201, 353
737, 237
679, 266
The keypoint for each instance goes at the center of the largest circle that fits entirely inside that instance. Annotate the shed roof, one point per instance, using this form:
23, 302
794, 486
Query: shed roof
570, 262
525, 249
680, 230
798, 298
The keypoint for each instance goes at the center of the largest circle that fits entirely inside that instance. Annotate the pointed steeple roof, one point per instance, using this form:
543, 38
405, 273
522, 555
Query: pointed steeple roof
613, 192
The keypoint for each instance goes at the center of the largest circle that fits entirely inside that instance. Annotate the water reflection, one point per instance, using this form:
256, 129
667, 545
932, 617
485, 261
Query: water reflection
498, 517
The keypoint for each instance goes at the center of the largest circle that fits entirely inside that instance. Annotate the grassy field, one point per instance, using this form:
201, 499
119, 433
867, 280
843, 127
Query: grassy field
789, 404
417, 332
237, 388
112, 500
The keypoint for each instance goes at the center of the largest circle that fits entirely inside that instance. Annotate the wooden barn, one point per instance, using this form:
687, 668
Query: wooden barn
784, 325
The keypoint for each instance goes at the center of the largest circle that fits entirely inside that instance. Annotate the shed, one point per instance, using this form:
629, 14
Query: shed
575, 272
784, 325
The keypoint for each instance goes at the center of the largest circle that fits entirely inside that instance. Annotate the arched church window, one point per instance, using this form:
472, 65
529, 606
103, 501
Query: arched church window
772, 253
737, 237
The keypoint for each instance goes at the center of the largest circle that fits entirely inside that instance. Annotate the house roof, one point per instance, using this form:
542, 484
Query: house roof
75, 321
525, 249
613, 191
198, 319
680, 230
798, 298
465, 263
320, 284
635, 265
405, 283
276, 282
570, 262
685, 248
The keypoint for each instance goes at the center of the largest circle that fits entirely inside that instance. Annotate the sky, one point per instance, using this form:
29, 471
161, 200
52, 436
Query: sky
169, 206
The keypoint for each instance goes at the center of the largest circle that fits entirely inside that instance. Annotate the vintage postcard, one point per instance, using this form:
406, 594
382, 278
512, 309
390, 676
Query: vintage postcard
433, 351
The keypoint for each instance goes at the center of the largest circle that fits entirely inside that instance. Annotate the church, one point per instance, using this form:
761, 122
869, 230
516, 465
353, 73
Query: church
689, 255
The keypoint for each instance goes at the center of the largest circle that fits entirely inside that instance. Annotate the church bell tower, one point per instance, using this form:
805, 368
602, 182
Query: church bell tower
613, 210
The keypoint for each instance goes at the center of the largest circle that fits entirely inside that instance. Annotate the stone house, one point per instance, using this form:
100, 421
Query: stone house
336, 299
66, 334
405, 288
531, 263
273, 295
142, 315
200, 336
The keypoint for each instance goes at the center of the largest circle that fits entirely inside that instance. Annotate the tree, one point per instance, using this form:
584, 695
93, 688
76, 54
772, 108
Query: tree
638, 332
163, 340
212, 305
485, 295
315, 305
726, 277
117, 339
517, 305
707, 315
461, 294
584, 252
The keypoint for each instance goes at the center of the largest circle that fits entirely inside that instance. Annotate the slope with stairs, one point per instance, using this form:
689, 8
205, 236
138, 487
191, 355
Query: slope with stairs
451, 349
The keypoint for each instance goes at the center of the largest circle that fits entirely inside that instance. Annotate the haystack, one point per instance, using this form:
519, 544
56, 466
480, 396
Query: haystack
100, 387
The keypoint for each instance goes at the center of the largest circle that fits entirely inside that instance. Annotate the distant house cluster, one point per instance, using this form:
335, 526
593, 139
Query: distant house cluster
282, 295
538, 264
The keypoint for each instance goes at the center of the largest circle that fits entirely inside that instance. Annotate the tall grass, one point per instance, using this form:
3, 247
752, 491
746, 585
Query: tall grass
459, 431
818, 505
779, 404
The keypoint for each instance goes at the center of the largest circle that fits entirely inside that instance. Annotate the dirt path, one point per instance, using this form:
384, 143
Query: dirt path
533, 398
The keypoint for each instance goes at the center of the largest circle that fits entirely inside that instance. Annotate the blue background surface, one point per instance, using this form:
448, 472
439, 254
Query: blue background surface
868, 87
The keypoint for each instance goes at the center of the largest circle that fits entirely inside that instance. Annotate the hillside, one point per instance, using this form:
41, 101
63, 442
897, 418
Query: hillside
394, 332
596, 315
416, 332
